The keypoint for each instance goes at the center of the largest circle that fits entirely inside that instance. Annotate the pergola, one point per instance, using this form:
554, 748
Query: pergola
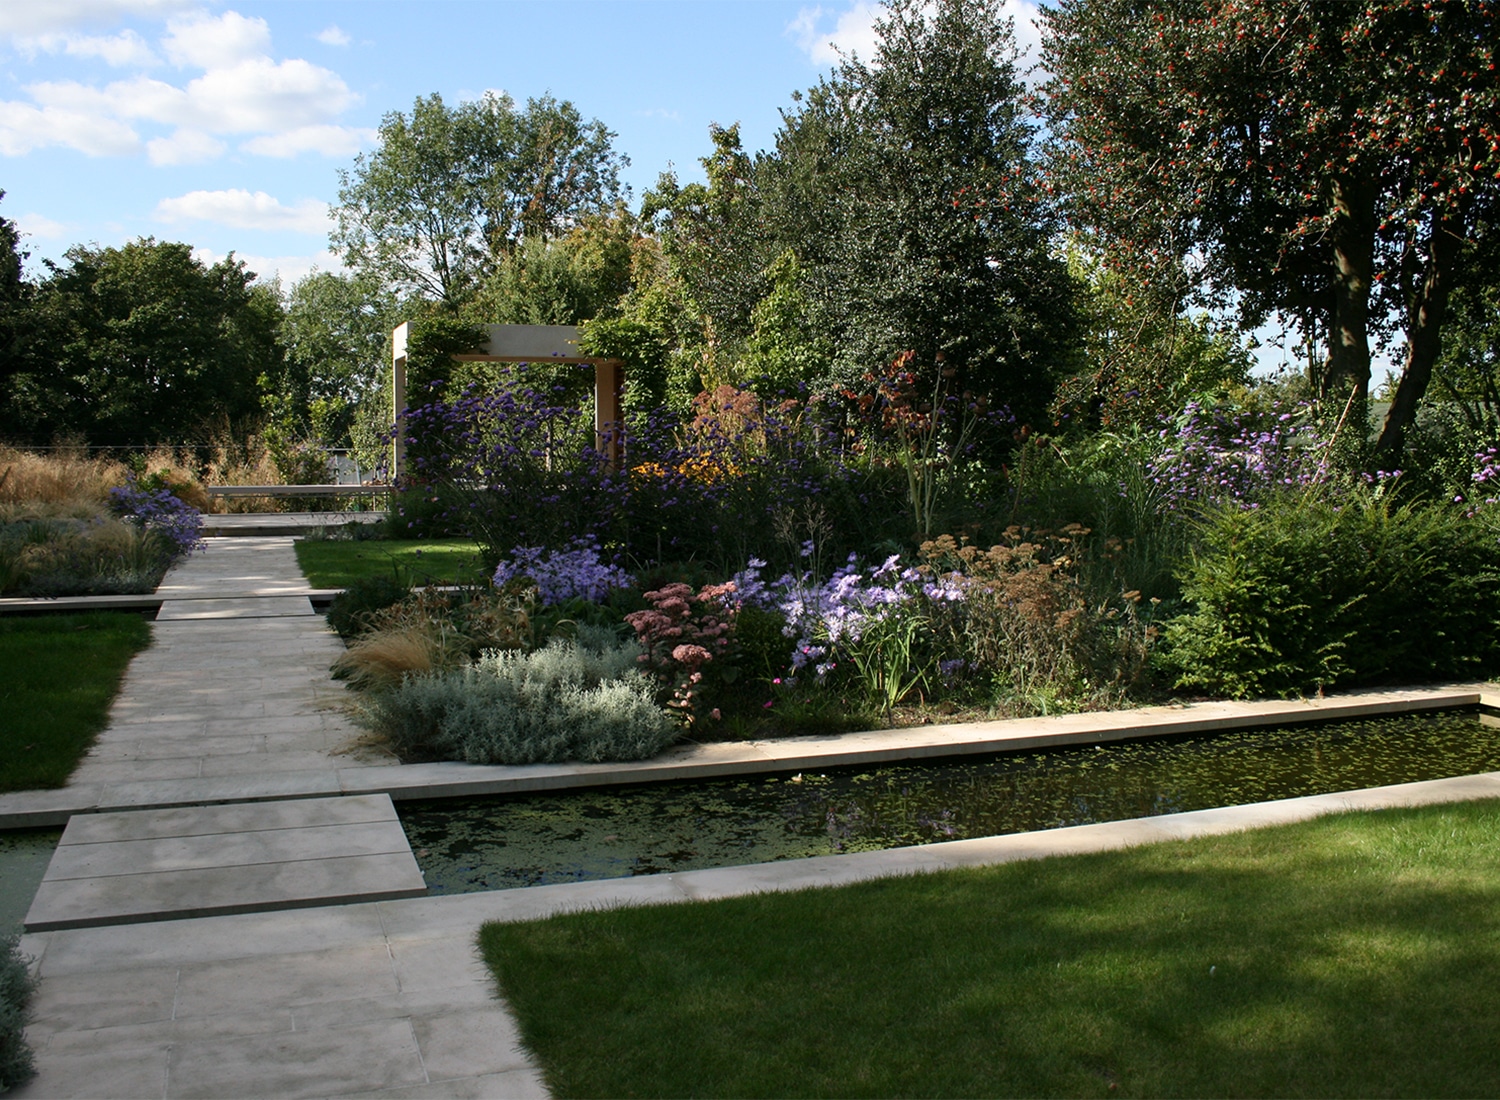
523, 344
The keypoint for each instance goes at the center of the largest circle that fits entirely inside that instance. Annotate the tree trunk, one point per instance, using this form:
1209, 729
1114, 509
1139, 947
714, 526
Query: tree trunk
1353, 238
1424, 337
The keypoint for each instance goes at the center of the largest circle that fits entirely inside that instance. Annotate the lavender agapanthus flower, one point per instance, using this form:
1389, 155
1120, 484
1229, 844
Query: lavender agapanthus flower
178, 523
578, 572
827, 618
1214, 456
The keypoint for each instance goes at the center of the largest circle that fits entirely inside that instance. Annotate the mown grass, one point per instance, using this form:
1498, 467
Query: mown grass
1351, 955
61, 673
337, 564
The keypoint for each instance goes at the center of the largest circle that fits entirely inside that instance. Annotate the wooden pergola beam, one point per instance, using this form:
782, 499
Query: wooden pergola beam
524, 344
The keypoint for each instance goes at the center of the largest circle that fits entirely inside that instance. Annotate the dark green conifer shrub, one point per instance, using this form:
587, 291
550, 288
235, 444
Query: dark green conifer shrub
1307, 592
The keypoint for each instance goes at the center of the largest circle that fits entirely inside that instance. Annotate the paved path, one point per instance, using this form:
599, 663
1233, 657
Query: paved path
232, 697
235, 681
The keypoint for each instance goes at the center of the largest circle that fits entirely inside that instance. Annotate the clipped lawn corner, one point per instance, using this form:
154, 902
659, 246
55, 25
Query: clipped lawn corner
61, 673
1351, 955
337, 564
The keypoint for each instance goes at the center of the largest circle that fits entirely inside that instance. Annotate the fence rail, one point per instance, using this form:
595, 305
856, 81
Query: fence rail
297, 490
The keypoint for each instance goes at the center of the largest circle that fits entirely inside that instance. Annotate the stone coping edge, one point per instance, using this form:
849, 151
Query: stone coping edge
14, 605
539, 902
403, 782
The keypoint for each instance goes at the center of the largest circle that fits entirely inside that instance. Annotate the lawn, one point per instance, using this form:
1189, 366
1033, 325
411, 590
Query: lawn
1351, 955
61, 673
337, 564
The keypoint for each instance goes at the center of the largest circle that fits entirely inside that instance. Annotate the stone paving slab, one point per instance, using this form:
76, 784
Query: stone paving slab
244, 607
169, 864
320, 1002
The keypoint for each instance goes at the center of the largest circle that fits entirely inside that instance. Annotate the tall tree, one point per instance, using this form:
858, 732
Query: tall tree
907, 187
14, 304
451, 190
335, 332
145, 344
1322, 159
563, 281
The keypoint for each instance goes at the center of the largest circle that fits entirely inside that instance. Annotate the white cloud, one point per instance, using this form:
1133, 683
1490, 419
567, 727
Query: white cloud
184, 147
203, 42
24, 127
256, 96
39, 225
283, 107
333, 35
49, 16
289, 269
120, 50
242, 209
262, 95
853, 32
329, 140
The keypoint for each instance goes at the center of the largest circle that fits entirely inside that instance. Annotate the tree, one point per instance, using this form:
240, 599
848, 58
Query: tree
451, 190
14, 302
1323, 160
717, 238
907, 188
563, 281
335, 330
144, 344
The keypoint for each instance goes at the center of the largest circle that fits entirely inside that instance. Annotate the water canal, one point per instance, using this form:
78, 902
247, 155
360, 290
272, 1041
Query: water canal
497, 843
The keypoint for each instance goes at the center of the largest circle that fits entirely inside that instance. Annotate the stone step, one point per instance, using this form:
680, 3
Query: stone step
239, 607
149, 865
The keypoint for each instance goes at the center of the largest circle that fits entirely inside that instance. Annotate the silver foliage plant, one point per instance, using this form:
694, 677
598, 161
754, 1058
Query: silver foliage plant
576, 699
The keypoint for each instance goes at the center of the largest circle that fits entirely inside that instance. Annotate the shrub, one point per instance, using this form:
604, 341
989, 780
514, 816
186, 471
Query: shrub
1025, 620
72, 557
576, 699
433, 630
563, 575
1308, 593
350, 612
177, 524
17, 1065
683, 636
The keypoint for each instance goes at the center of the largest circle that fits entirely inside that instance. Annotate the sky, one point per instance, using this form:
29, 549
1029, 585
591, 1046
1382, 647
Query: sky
225, 124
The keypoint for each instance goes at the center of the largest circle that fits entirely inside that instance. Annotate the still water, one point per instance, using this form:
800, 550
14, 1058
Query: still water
24, 856
528, 840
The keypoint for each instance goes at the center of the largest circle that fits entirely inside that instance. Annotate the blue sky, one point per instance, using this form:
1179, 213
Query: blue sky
225, 124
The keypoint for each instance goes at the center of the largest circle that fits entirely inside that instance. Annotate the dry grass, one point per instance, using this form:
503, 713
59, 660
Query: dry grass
430, 631
62, 483
384, 657
70, 482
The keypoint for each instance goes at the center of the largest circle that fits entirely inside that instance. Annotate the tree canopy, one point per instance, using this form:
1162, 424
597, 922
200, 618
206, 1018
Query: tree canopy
144, 344
452, 190
900, 210
1322, 160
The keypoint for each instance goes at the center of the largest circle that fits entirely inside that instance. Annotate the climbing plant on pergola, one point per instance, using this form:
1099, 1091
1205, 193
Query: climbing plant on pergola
522, 344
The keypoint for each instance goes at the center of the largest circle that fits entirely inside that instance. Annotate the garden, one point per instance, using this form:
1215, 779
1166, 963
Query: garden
957, 402
771, 566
